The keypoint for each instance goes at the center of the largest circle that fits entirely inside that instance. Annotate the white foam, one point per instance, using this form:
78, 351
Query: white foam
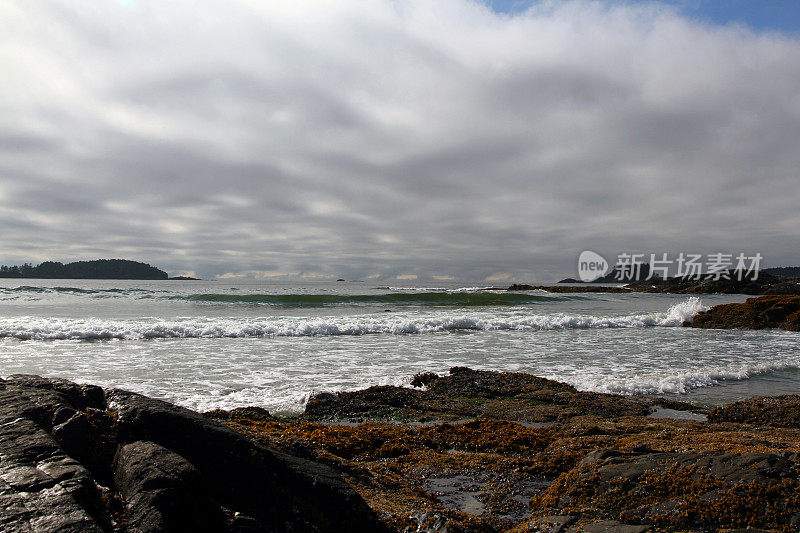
685, 311
679, 382
37, 328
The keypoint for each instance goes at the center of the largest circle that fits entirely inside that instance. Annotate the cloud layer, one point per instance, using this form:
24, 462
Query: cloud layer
391, 138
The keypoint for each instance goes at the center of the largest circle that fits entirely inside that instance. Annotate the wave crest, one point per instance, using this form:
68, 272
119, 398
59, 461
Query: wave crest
32, 328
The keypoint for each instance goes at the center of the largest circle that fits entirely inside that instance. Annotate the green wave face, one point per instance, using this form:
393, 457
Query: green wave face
400, 299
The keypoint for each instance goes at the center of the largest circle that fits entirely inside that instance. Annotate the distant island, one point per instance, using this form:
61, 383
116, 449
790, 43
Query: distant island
641, 272
789, 272
98, 269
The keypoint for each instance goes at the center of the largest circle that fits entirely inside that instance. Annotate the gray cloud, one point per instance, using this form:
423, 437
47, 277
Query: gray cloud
391, 138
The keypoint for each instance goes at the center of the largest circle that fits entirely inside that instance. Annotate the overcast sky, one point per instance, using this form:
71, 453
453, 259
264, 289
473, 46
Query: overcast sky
376, 139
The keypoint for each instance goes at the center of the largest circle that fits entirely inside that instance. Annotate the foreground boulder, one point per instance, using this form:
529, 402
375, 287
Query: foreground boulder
756, 313
77, 458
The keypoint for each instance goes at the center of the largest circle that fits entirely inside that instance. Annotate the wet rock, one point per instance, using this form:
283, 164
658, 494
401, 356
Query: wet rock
163, 491
630, 473
78, 396
272, 487
423, 379
680, 489
379, 402
241, 413
69, 462
776, 411
324, 396
41, 488
552, 524
467, 393
610, 526
220, 414
756, 313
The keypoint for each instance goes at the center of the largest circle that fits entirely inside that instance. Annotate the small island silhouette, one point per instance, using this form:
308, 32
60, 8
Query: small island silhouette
97, 269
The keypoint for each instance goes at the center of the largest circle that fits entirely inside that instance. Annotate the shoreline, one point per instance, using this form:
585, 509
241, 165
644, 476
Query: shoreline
502, 451
472, 451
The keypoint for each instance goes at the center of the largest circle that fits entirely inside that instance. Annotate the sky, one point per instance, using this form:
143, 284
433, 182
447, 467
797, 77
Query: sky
447, 140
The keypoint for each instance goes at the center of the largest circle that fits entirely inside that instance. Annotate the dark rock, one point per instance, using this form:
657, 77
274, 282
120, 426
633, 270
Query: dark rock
273, 488
41, 487
467, 393
756, 313
464, 381
163, 491
241, 413
174, 469
250, 413
423, 379
79, 396
682, 489
379, 402
552, 524
220, 414
324, 396
611, 526
777, 411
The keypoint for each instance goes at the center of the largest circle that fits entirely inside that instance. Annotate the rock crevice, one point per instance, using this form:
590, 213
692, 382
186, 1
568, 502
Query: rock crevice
77, 458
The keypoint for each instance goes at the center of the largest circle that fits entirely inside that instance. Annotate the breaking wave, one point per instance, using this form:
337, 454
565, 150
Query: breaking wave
32, 328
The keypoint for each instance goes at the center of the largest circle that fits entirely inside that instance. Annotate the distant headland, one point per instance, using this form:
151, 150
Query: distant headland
97, 269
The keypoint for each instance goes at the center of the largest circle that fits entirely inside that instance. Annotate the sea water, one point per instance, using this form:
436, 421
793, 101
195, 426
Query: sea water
210, 344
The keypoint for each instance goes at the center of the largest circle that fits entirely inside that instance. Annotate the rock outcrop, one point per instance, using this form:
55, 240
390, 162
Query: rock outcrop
708, 491
467, 393
77, 458
776, 411
735, 283
597, 463
756, 313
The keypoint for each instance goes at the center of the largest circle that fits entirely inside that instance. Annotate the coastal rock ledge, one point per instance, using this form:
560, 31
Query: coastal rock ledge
470, 452
77, 458
756, 313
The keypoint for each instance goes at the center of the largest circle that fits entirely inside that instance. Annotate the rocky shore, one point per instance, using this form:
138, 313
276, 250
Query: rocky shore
756, 313
764, 284
471, 451
478, 451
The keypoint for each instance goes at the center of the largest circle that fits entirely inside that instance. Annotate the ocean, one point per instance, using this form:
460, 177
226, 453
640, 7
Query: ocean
225, 344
